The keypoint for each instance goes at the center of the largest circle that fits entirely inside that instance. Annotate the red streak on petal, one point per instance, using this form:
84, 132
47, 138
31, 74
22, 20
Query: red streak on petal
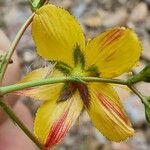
22, 92
110, 107
112, 36
58, 130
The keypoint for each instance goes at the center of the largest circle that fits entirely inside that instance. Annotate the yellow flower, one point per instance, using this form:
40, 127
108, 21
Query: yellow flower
59, 37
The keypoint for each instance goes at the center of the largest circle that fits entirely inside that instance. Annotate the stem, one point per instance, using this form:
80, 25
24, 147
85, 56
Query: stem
21, 86
13, 47
105, 80
13, 116
134, 79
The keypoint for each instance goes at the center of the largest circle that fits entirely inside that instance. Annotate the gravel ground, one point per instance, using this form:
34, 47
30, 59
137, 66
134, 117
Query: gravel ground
95, 16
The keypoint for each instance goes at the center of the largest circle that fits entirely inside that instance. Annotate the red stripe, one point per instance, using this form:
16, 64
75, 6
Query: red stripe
111, 107
112, 36
23, 92
58, 130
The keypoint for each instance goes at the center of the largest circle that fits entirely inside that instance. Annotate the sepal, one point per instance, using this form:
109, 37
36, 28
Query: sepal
36, 4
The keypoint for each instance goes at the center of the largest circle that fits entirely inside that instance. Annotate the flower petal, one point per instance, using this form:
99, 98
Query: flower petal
54, 120
56, 33
45, 92
107, 113
114, 51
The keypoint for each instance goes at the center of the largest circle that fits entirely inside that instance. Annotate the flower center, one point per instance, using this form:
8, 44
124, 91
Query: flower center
79, 70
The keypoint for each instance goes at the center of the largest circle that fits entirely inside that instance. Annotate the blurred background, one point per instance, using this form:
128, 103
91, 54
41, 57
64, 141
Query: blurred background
94, 16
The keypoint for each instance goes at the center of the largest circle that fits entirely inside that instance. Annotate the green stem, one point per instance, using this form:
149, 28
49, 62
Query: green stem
104, 80
13, 116
134, 79
10, 51
21, 86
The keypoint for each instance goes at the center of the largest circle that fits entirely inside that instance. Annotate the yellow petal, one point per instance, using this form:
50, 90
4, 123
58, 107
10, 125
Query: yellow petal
114, 51
107, 113
56, 33
45, 92
54, 120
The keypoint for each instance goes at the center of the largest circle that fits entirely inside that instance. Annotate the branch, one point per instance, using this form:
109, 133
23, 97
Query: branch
10, 51
52, 80
17, 121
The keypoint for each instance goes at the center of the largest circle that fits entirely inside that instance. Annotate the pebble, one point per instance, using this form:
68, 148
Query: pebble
139, 12
63, 3
148, 3
147, 24
135, 110
146, 48
138, 141
19, 18
29, 56
93, 21
78, 10
115, 19
101, 139
66, 3
144, 88
121, 146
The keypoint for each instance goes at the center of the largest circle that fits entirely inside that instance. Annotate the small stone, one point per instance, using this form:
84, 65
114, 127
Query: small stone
139, 13
19, 16
122, 91
147, 24
121, 146
69, 141
78, 10
118, 18
146, 48
144, 88
138, 67
29, 56
148, 3
135, 110
66, 3
138, 141
93, 21
87, 1
100, 138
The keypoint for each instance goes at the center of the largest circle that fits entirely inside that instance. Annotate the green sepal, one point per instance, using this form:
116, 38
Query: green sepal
36, 4
64, 68
78, 57
93, 71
